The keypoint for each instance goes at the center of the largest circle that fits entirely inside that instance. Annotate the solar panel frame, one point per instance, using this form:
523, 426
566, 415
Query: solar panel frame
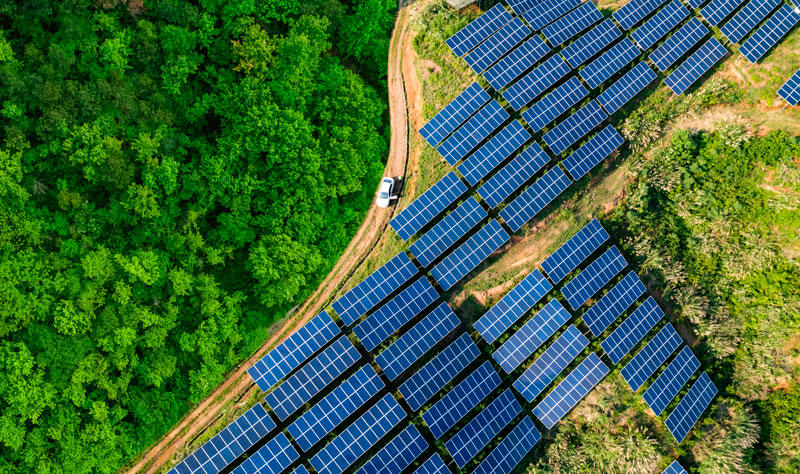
542, 13
716, 11
626, 87
398, 454
570, 391
573, 23
770, 33
513, 175
454, 114
574, 251
574, 127
535, 198
610, 63
790, 90
472, 132
691, 407
633, 12
677, 45
478, 30
594, 277
664, 21
497, 45
591, 43
433, 243
272, 458
430, 204
593, 152
522, 58
554, 104
653, 354
505, 457
632, 330
493, 152
746, 19
470, 254
674, 468
608, 308
537, 81
433, 465
671, 380
695, 66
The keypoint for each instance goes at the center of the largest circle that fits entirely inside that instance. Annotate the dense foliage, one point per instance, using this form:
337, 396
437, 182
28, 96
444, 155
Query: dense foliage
173, 177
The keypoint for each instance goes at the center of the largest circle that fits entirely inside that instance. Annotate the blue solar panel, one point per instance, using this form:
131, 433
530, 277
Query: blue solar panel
228, 444
678, 44
398, 454
447, 231
535, 198
541, 13
613, 304
487, 424
632, 330
531, 336
575, 250
300, 470
512, 306
551, 106
610, 63
644, 364
301, 387
426, 207
359, 437
454, 114
660, 24
292, 352
272, 458
445, 413
395, 313
535, 82
546, 368
511, 450
573, 23
434, 465
635, 11
574, 127
716, 11
513, 175
593, 277
477, 31
790, 91
695, 66
518, 61
747, 18
766, 37
417, 341
591, 153
437, 373
342, 402
626, 87
669, 383
591, 43
497, 45
691, 407
494, 152
469, 255
467, 137
570, 391
674, 468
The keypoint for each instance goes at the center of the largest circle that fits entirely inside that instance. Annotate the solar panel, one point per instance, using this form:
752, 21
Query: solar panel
469, 255
272, 458
591, 43
447, 231
551, 106
511, 450
571, 390
691, 407
531, 336
467, 137
445, 413
300, 470
553, 360
678, 44
512, 306
518, 61
494, 152
541, 193
747, 18
610, 63
635, 11
716, 11
695, 66
228, 444
626, 87
437, 373
614, 303
497, 45
674, 468
477, 31
574, 251
790, 91
766, 37
591, 153
395, 313
573, 23
398, 454
292, 352
513, 175
595, 276
426, 207
535, 82
632, 330
342, 402
434, 465
660, 24
669, 383
454, 114
298, 389
359, 437
542, 13
574, 127
487, 424
417, 341
644, 364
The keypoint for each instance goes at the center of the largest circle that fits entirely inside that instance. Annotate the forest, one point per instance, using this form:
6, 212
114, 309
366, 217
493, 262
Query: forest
174, 177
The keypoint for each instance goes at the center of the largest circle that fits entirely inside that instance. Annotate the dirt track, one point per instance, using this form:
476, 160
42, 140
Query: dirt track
238, 386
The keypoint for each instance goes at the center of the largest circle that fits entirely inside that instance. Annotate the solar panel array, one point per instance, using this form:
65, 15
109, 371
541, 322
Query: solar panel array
542, 13
513, 175
716, 11
474, 131
497, 45
468, 255
398, 454
551, 106
434, 465
426, 207
678, 44
595, 276
626, 87
747, 18
522, 58
591, 153
674, 468
447, 231
696, 3
535, 198
632, 330
660, 24
272, 458
534, 83
454, 114
512, 306
669, 383
531, 336
477, 31
790, 91
691, 407
591, 43
494, 152
505, 457
571, 24
571, 390
610, 62
630, 14
613, 304
574, 127
650, 358
768, 35
574, 251
695, 66
292, 352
